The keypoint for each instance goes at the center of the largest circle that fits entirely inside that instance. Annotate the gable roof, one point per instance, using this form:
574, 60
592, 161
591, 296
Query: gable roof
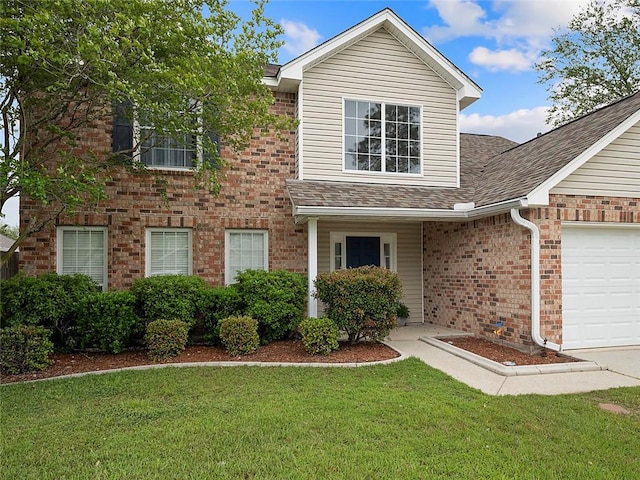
533, 168
290, 75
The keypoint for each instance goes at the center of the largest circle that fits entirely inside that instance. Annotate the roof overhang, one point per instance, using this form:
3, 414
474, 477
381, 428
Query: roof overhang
290, 75
303, 213
540, 195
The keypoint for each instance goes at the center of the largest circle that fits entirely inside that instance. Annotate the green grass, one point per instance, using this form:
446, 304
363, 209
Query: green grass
403, 420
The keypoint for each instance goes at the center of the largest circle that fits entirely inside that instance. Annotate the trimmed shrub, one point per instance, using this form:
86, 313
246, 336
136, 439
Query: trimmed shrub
275, 299
215, 304
49, 300
168, 296
319, 335
166, 338
105, 321
24, 348
361, 301
239, 335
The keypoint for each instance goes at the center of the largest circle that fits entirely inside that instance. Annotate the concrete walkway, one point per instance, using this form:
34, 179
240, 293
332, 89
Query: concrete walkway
411, 341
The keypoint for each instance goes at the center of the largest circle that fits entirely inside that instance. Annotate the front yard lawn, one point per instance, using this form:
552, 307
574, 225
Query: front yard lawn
403, 420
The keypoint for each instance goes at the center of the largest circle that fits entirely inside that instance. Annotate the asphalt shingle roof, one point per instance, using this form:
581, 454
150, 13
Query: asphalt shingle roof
518, 171
493, 169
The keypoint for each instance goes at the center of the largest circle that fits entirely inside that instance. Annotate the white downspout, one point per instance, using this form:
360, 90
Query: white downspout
312, 265
535, 280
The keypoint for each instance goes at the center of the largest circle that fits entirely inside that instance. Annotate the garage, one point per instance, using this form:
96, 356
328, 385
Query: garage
600, 285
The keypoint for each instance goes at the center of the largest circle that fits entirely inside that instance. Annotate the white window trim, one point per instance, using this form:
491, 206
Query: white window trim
147, 246
385, 238
59, 249
229, 277
137, 157
382, 172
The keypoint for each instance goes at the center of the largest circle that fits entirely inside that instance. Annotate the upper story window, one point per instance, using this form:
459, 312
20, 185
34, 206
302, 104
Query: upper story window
161, 151
382, 137
176, 151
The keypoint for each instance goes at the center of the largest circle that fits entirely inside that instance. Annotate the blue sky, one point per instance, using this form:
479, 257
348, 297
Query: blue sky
494, 42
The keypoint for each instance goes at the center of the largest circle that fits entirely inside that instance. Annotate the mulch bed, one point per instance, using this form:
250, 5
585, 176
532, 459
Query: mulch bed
501, 353
290, 351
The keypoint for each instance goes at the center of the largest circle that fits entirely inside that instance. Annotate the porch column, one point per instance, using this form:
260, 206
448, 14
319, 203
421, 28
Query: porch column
312, 267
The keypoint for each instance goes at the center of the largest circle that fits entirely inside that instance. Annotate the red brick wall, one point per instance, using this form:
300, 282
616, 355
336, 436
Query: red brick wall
253, 196
477, 273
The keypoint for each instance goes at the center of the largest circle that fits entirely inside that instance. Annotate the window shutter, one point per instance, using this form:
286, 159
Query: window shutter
207, 157
122, 128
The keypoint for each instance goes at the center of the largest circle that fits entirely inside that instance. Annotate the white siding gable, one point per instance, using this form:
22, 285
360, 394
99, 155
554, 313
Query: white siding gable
615, 171
377, 68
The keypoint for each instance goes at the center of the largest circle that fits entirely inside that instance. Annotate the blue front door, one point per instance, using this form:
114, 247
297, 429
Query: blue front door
363, 251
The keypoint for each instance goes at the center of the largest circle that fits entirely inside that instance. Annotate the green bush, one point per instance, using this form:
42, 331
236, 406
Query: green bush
106, 320
361, 301
24, 348
319, 335
239, 335
49, 300
168, 296
166, 338
275, 299
215, 304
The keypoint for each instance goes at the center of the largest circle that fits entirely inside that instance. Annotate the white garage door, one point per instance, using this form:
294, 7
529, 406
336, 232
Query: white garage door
601, 286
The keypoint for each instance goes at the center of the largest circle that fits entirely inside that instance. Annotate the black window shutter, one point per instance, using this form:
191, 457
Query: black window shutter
122, 128
213, 138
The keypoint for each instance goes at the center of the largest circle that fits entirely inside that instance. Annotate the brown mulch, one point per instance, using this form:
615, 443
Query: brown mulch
290, 351
502, 353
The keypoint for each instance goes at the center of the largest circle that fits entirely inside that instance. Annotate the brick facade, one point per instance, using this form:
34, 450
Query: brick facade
253, 196
478, 273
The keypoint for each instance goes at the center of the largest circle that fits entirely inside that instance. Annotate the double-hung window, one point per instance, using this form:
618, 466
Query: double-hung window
83, 250
169, 251
382, 137
176, 151
135, 136
245, 249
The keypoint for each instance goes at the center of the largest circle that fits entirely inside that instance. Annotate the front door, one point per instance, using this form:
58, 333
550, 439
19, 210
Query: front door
362, 251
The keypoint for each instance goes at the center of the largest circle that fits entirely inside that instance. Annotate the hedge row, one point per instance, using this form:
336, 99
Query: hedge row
80, 317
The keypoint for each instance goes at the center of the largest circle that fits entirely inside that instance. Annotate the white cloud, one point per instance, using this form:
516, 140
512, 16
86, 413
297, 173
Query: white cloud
496, 60
523, 25
520, 125
299, 38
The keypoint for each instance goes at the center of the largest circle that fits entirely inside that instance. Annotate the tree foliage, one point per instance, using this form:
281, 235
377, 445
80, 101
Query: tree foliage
190, 67
595, 61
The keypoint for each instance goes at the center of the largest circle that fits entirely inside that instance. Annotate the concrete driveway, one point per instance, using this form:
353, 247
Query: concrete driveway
623, 360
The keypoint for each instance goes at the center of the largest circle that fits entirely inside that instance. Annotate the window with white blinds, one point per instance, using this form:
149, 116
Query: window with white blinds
83, 250
245, 249
169, 251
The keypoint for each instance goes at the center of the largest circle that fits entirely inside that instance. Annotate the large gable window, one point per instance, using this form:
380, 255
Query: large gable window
382, 137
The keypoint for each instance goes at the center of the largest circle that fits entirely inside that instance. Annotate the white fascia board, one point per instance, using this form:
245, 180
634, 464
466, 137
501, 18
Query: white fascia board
295, 68
540, 195
466, 89
409, 213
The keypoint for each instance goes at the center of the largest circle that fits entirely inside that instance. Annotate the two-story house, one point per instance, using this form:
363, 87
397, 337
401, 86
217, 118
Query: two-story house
543, 237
